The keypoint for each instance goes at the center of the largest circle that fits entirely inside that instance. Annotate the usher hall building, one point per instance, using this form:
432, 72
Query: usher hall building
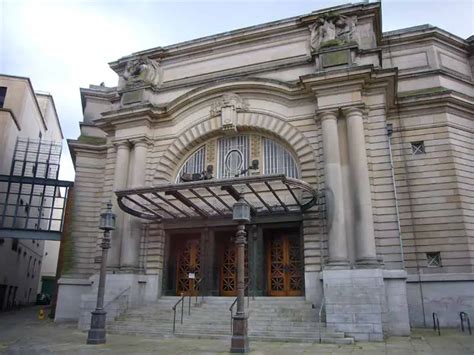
353, 147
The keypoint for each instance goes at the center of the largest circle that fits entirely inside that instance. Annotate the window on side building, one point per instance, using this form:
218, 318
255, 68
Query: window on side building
3, 94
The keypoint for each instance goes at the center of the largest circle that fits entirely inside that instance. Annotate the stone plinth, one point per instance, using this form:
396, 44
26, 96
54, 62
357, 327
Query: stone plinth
354, 302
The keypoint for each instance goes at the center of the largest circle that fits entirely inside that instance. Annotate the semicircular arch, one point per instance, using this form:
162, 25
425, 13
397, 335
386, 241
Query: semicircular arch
247, 122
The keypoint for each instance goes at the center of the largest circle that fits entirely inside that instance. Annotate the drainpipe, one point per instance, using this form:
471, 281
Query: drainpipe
389, 135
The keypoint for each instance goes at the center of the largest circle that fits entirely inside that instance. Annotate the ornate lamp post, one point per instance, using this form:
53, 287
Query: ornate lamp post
240, 341
96, 333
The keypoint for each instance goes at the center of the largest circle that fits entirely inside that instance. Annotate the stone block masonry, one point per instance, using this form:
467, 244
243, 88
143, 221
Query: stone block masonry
354, 302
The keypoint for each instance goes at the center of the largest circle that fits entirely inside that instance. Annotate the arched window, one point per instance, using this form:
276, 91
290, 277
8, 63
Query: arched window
239, 144
195, 163
272, 157
277, 160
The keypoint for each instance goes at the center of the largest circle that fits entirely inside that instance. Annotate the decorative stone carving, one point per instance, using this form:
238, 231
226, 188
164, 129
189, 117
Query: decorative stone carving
141, 71
227, 106
332, 30
228, 100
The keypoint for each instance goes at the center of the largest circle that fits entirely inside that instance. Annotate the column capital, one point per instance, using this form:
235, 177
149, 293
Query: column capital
121, 144
141, 141
359, 110
327, 114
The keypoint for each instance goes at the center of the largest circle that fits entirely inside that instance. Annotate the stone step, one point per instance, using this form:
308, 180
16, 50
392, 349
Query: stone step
291, 319
325, 340
161, 334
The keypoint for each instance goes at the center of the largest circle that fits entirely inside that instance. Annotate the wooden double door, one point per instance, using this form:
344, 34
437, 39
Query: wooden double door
284, 265
188, 266
278, 261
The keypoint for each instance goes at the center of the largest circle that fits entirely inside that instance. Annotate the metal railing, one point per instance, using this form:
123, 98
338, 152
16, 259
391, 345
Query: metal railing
436, 322
196, 289
231, 308
465, 317
181, 300
117, 297
319, 319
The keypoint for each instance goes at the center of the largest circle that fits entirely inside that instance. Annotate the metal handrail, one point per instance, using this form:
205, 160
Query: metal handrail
319, 319
196, 289
117, 297
465, 317
436, 322
181, 300
231, 308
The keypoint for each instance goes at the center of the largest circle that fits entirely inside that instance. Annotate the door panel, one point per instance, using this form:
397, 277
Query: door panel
188, 261
228, 268
284, 263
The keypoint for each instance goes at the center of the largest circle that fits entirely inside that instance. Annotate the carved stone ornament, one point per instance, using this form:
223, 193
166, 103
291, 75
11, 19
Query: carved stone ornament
227, 106
330, 30
141, 71
228, 100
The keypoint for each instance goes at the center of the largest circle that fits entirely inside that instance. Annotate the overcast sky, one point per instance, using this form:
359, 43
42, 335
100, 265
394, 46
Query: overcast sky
65, 45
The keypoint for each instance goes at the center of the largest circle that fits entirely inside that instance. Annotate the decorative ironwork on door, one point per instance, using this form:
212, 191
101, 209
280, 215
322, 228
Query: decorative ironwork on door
229, 269
188, 268
285, 276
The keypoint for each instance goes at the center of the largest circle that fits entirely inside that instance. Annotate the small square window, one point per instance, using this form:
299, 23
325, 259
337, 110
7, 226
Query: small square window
433, 259
418, 148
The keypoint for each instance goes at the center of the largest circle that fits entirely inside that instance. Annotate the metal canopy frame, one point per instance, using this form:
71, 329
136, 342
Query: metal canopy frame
268, 195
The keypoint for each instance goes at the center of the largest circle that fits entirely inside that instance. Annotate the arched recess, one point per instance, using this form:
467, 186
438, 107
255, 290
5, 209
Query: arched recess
249, 122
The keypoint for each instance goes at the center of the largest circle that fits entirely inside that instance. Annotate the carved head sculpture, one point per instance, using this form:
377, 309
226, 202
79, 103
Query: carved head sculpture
141, 71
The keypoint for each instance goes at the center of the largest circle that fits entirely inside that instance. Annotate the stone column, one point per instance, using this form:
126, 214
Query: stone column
337, 241
360, 185
130, 253
120, 182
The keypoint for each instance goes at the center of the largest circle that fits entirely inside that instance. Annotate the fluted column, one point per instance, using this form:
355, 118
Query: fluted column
122, 161
360, 185
337, 241
129, 259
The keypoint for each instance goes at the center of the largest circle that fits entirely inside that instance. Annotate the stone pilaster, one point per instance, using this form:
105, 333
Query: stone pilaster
360, 186
122, 162
337, 242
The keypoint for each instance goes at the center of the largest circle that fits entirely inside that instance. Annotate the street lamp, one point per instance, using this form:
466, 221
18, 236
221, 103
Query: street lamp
96, 333
240, 340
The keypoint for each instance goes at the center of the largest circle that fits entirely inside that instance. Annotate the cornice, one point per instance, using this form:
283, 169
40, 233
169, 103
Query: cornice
447, 99
149, 113
110, 95
76, 147
242, 35
362, 78
430, 72
423, 34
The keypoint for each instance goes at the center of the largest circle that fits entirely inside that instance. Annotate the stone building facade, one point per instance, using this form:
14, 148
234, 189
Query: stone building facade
380, 124
24, 114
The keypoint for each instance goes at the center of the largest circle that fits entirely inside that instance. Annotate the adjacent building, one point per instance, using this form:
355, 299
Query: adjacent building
353, 146
27, 119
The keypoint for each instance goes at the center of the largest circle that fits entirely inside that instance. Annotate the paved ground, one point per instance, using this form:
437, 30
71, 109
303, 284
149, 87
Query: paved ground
22, 333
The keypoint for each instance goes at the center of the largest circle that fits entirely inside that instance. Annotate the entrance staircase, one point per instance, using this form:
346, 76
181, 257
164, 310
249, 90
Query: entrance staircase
289, 319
